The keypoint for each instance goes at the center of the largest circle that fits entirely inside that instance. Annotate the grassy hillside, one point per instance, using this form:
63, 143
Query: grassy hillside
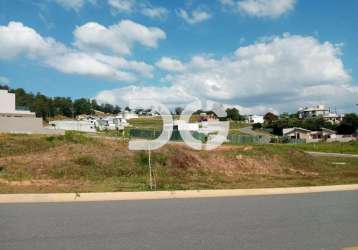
77, 163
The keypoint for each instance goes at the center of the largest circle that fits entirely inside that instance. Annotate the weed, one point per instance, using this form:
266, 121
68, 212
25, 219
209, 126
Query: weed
85, 160
77, 137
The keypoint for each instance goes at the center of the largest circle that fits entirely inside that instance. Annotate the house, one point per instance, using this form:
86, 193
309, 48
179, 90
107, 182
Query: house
320, 111
252, 119
315, 136
296, 133
13, 120
8, 107
91, 124
333, 118
115, 122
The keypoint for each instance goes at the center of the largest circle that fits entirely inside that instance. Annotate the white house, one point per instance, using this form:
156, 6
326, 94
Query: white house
251, 119
18, 121
8, 106
320, 110
115, 122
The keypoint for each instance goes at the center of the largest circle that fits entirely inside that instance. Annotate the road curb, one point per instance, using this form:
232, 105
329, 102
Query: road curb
118, 196
324, 154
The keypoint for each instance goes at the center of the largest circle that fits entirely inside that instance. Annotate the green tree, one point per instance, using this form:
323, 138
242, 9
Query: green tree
41, 106
178, 110
82, 106
233, 114
349, 125
63, 106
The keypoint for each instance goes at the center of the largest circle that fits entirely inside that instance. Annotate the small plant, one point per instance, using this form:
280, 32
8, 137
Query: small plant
142, 159
85, 160
77, 137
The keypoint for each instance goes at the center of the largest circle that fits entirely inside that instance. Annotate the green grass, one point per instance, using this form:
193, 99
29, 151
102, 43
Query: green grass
152, 122
12, 144
238, 125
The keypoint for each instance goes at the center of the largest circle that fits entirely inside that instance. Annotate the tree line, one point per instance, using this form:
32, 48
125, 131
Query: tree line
47, 107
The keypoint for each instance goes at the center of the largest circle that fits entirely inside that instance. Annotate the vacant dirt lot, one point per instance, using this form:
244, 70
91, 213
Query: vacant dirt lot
77, 163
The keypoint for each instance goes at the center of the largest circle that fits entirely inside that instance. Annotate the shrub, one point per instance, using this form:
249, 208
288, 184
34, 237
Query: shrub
77, 137
85, 160
256, 126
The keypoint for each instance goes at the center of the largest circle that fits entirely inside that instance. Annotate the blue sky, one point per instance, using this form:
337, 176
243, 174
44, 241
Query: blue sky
254, 54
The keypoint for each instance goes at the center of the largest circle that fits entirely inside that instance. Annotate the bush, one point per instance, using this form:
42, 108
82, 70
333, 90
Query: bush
85, 160
77, 137
156, 159
256, 126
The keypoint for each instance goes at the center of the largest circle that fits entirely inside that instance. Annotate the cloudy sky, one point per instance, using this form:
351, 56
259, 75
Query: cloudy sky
258, 55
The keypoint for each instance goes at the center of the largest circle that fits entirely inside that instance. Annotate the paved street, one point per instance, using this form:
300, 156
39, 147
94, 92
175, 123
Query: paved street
305, 221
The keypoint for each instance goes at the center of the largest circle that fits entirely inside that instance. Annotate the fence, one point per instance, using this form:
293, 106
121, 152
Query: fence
151, 134
247, 139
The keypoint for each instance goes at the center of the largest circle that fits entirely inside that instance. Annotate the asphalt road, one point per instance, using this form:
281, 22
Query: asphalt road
305, 221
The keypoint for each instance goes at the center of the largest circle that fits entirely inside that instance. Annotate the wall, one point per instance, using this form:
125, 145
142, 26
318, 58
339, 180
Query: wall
341, 139
83, 126
21, 125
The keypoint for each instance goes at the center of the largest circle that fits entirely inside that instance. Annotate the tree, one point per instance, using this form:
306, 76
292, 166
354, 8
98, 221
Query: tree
315, 123
233, 114
117, 110
95, 106
349, 125
41, 106
256, 126
82, 106
178, 110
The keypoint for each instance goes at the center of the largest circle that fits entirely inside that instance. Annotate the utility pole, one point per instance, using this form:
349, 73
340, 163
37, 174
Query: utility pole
150, 169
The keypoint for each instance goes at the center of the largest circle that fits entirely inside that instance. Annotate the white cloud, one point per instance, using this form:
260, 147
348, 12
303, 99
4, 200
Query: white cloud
4, 80
118, 38
280, 74
261, 8
73, 4
155, 12
18, 40
170, 96
84, 64
142, 68
196, 16
170, 64
122, 6
228, 2
133, 6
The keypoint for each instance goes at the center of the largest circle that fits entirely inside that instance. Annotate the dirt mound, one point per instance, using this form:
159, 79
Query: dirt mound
181, 158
